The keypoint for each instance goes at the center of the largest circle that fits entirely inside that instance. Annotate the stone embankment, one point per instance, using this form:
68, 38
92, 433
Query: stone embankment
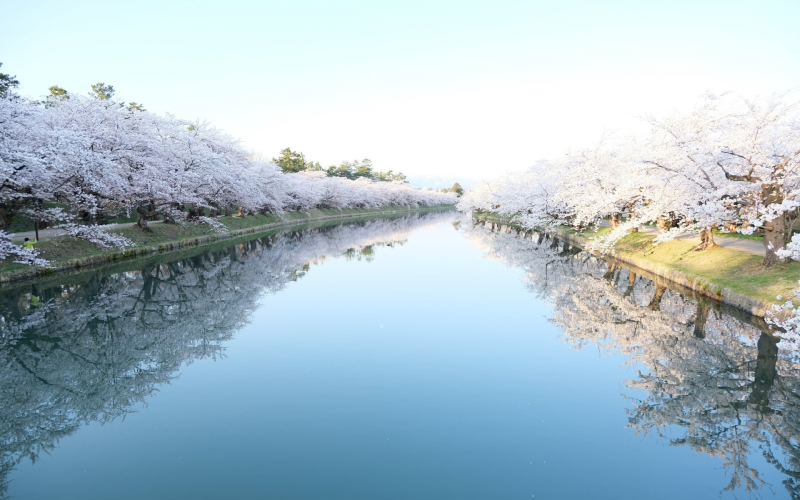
662, 274
142, 251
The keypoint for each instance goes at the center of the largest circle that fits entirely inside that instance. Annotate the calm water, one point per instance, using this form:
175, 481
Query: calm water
420, 357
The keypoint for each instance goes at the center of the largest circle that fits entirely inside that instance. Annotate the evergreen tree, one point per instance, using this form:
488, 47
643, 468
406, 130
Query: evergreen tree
102, 92
291, 161
57, 92
457, 189
7, 82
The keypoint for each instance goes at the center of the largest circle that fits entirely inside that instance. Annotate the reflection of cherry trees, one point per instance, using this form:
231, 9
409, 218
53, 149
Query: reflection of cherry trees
717, 378
91, 351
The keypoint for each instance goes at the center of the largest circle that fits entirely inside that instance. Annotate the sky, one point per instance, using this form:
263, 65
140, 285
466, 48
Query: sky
443, 91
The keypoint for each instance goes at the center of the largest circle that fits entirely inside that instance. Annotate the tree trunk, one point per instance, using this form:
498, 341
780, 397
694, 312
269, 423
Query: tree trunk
6, 218
774, 240
141, 220
663, 224
655, 304
85, 216
791, 218
634, 229
706, 239
765, 371
775, 229
609, 275
700, 318
742, 226
614, 220
631, 283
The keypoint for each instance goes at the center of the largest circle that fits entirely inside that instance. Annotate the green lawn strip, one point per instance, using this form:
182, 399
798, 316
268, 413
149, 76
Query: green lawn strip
739, 235
591, 232
720, 267
83, 274
65, 248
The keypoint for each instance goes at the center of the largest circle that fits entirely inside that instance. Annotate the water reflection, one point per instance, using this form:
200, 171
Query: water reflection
714, 377
91, 350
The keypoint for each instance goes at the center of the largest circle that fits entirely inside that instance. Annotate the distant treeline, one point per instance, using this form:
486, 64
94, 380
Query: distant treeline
295, 161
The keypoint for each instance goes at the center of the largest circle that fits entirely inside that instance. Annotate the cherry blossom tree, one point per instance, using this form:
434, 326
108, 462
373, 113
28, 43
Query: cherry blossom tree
726, 161
103, 158
24, 174
761, 154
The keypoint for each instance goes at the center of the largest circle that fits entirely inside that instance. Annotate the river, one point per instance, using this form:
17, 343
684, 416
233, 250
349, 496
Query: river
424, 356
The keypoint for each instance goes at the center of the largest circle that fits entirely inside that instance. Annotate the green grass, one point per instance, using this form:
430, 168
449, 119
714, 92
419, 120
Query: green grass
740, 236
739, 271
21, 223
590, 232
719, 267
123, 218
493, 215
82, 275
66, 248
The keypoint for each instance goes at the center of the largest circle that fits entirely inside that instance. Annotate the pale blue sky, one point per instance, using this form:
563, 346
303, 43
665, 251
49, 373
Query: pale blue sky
447, 89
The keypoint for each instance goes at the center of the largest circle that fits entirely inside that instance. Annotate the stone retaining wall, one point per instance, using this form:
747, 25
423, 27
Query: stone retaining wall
660, 273
133, 253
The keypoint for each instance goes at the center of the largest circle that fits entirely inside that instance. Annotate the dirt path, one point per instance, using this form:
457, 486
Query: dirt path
743, 245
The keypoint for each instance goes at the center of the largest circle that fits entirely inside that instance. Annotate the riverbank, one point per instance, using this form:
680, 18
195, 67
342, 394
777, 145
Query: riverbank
731, 276
69, 253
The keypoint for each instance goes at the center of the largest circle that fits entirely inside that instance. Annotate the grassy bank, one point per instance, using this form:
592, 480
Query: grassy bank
79, 275
713, 272
66, 252
718, 268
